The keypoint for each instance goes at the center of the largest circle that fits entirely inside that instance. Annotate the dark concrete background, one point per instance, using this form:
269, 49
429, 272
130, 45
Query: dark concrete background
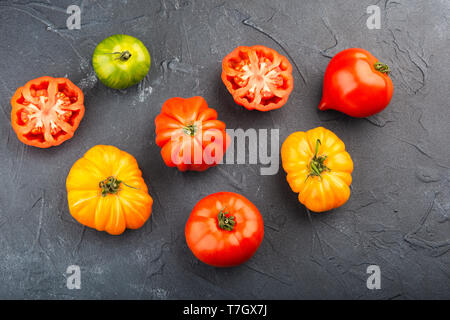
397, 216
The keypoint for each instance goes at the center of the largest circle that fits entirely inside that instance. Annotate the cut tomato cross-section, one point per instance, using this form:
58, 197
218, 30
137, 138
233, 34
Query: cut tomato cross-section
46, 111
258, 77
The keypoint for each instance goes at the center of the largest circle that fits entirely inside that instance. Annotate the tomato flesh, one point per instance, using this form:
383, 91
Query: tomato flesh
258, 77
46, 111
36, 113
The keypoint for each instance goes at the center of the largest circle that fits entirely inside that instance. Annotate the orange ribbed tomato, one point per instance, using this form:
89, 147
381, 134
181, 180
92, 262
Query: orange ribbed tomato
189, 134
106, 191
318, 168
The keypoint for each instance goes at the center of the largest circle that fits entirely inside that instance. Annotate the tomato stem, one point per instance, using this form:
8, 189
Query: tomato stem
124, 55
225, 222
190, 129
111, 185
317, 166
382, 67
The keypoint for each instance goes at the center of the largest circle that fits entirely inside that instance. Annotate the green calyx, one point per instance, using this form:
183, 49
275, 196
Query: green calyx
382, 67
190, 129
111, 185
317, 166
123, 56
225, 222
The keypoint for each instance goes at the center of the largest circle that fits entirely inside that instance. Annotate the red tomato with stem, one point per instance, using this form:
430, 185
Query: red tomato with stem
356, 83
224, 229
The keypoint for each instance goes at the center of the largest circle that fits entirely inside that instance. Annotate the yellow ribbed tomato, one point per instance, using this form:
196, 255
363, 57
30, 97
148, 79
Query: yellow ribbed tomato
106, 191
318, 168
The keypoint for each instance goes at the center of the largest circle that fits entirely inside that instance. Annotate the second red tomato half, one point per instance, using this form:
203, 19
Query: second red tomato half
189, 134
224, 229
258, 78
46, 111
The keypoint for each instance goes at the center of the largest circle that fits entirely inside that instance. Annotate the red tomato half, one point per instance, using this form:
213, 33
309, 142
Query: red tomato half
46, 111
356, 83
224, 229
258, 77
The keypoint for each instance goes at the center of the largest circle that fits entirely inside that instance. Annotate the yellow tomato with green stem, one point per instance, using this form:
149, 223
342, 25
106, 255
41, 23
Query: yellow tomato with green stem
106, 191
318, 168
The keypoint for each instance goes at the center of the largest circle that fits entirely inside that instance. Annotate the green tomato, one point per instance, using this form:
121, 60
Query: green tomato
121, 61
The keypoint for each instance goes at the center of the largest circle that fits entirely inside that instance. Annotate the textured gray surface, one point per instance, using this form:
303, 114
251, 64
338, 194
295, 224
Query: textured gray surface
397, 216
